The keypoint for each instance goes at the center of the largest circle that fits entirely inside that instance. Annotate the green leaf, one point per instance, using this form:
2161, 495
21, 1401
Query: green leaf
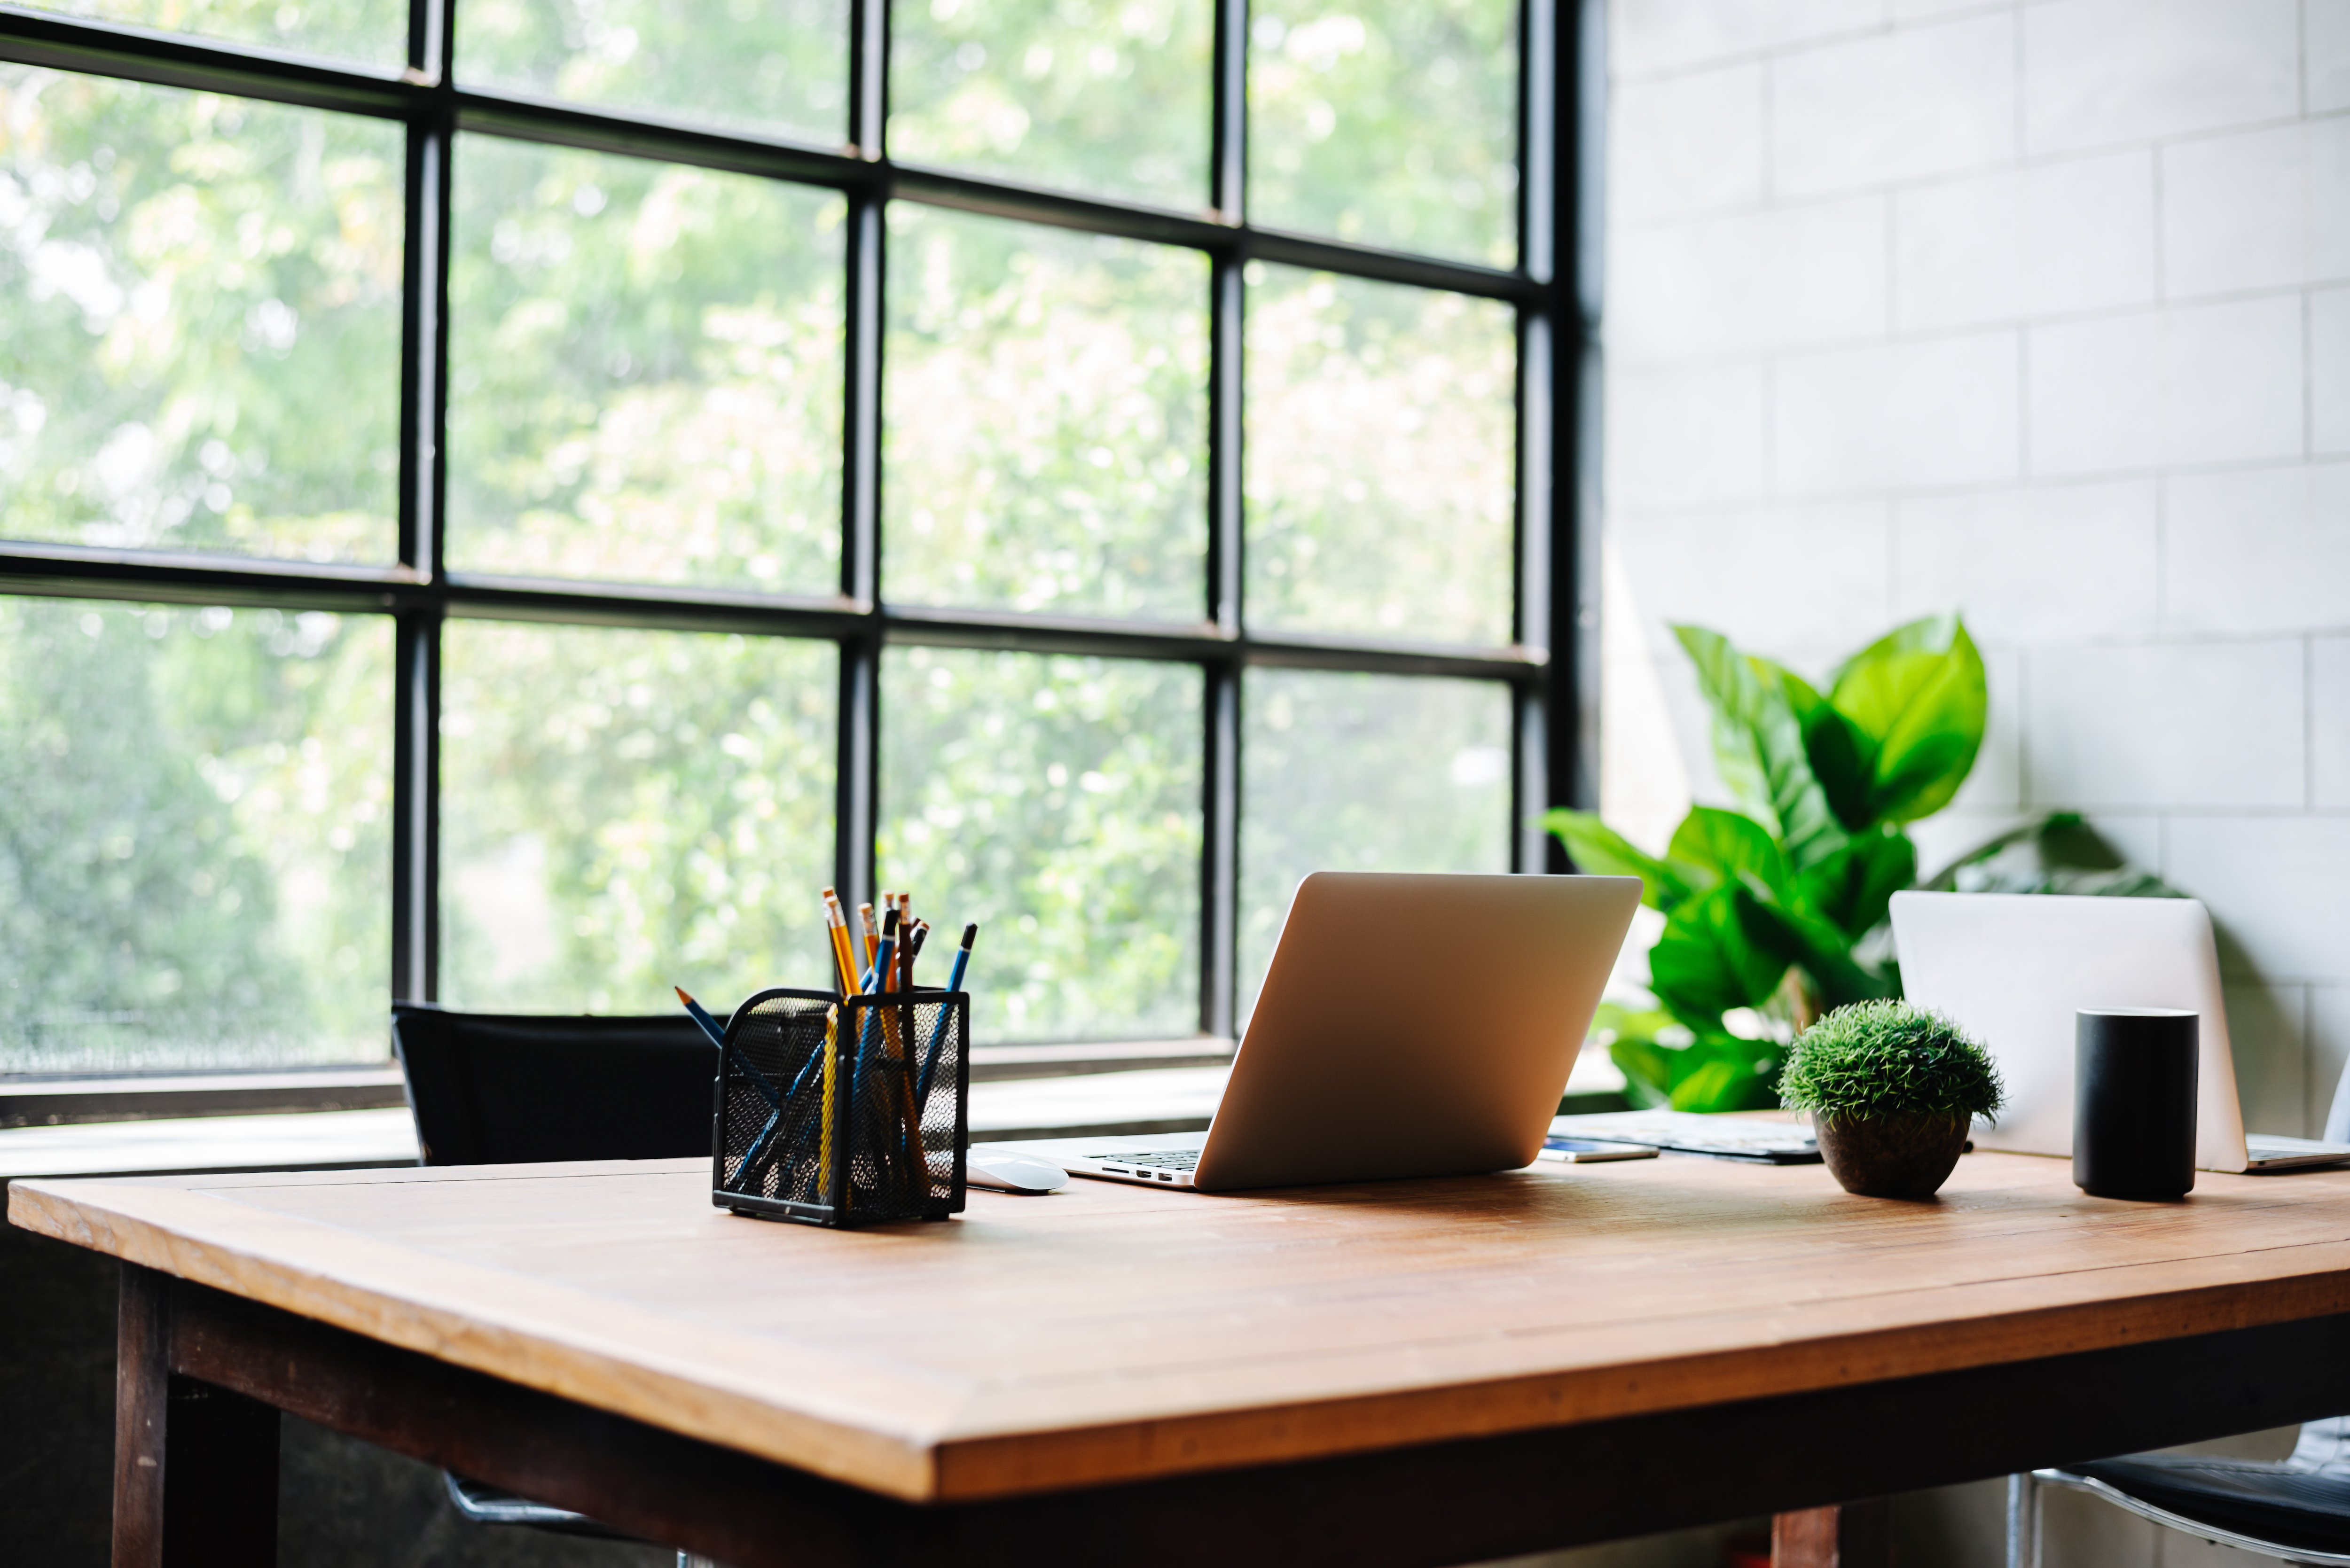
1793, 935
1758, 745
1647, 1069
1727, 845
1717, 1073
1734, 1076
1834, 745
1708, 961
1918, 698
1854, 886
1596, 847
2060, 853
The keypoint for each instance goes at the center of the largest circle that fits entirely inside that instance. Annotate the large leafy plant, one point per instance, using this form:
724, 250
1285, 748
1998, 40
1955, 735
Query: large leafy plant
1776, 911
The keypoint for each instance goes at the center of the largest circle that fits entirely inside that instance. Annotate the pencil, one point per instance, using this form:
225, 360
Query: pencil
836, 931
759, 1080
865, 926
939, 1030
824, 1139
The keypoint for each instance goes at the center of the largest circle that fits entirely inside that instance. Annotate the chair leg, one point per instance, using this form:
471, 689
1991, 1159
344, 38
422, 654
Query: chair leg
2022, 1520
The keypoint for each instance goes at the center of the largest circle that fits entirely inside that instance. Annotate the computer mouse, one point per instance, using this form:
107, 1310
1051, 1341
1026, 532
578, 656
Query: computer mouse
1008, 1172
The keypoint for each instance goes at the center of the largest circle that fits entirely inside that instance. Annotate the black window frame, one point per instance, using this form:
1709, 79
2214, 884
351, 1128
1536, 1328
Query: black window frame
1550, 665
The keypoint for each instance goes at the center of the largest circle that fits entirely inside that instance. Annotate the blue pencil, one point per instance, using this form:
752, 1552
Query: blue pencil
939, 1030
718, 1037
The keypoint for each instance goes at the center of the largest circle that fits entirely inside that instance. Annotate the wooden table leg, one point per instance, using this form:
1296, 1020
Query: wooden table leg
195, 1466
1853, 1535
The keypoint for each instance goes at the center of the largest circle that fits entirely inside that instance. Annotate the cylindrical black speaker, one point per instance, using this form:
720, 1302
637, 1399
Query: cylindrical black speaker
2134, 1102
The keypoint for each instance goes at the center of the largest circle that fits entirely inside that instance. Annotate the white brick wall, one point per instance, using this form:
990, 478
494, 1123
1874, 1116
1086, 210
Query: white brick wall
2039, 309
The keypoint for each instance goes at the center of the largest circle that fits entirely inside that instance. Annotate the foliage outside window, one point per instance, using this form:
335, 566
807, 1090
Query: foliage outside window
761, 515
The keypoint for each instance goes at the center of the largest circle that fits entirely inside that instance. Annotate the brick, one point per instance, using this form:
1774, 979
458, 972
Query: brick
2280, 885
2213, 383
1757, 576
2097, 73
1666, 35
1899, 415
2023, 563
2259, 209
2153, 725
2258, 550
2069, 236
2326, 61
1683, 436
2329, 369
1914, 102
1686, 144
2329, 721
1789, 277
1996, 782
2267, 1044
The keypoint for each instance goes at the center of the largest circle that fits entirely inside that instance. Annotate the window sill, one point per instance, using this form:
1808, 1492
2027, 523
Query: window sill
65, 1101
46, 1102
1096, 1103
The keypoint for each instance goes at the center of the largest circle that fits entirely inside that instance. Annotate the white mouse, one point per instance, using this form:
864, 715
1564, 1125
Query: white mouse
1009, 1172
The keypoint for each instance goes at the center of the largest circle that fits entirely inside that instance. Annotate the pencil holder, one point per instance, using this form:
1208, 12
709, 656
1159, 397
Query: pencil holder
843, 1112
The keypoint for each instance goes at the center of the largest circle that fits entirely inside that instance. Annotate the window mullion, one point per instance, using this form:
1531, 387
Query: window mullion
424, 489
416, 808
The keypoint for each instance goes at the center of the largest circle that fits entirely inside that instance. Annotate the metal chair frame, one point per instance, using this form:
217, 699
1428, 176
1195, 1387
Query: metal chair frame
2023, 1522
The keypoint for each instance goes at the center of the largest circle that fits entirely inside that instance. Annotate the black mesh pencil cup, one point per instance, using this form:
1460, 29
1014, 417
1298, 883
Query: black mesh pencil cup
843, 1112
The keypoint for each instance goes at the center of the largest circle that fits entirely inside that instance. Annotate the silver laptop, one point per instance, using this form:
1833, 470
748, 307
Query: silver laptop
1410, 1025
2011, 970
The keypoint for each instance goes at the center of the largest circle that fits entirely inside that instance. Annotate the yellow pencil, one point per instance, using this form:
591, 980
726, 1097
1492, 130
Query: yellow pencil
837, 929
824, 1131
872, 938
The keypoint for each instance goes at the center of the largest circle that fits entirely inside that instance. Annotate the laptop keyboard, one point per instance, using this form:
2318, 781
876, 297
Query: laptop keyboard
1158, 1159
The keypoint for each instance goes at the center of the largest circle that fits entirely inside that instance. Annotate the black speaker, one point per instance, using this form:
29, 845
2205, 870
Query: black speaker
2134, 1102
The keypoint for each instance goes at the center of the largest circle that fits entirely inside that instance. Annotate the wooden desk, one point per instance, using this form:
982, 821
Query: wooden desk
1409, 1374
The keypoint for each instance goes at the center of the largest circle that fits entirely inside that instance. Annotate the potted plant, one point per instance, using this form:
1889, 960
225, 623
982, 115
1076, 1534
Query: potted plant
1775, 911
1891, 1088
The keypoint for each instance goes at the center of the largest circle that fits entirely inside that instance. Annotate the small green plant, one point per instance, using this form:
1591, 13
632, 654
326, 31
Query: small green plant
1889, 1058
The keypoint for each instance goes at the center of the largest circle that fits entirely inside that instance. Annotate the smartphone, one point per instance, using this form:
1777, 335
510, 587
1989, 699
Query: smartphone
1584, 1150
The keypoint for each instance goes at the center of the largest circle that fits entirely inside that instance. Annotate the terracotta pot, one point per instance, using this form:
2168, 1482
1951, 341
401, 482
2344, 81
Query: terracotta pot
1904, 1156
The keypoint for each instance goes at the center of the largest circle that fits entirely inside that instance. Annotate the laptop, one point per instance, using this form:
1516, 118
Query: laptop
1410, 1025
2011, 969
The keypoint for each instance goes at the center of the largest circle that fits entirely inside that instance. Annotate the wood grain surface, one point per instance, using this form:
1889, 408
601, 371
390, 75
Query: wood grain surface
1112, 1332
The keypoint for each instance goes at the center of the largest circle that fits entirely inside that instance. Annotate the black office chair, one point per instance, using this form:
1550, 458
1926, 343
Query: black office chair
504, 1089
2296, 1509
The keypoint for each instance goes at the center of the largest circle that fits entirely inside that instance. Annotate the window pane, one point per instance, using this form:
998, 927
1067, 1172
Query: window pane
1046, 442
644, 372
195, 811
199, 321
1056, 802
1081, 95
370, 31
626, 810
1393, 123
780, 67
1381, 458
1363, 772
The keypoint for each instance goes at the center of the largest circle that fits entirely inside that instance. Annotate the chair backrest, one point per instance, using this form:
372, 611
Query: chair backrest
498, 1088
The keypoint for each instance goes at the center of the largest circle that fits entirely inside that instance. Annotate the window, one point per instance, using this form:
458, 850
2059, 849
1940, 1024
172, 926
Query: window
515, 496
